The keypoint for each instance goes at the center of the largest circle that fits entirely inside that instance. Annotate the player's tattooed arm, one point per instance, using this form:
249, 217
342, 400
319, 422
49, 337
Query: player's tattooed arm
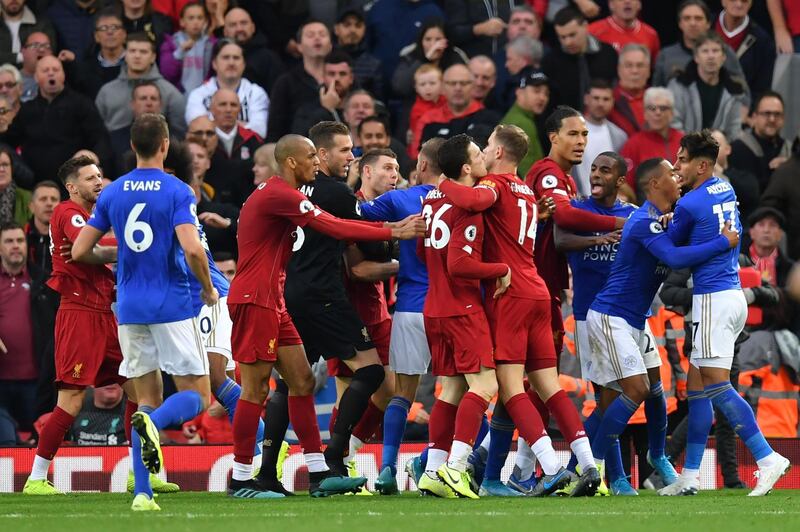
566, 241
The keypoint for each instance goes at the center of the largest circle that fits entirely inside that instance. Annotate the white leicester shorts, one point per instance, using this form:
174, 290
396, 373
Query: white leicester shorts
583, 348
409, 353
617, 348
717, 320
215, 329
175, 348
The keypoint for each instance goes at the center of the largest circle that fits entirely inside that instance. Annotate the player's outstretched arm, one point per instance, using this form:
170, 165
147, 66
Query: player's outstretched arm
367, 271
677, 257
566, 241
473, 199
356, 230
571, 218
82, 248
197, 260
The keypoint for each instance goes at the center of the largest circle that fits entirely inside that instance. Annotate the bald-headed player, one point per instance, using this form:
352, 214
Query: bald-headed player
263, 332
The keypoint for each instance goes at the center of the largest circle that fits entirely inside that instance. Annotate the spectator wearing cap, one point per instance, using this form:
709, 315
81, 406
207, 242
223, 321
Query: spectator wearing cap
301, 84
138, 17
633, 71
706, 95
337, 82
17, 21
432, 47
623, 27
761, 149
262, 65
783, 194
228, 63
753, 46
532, 98
579, 58
185, 56
745, 183
113, 100
351, 30
97, 69
658, 138
476, 26
604, 135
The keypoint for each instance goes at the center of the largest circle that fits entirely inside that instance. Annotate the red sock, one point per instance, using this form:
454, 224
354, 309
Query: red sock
369, 422
53, 433
130, 409
469, 417
245, 427
544, 413
525, 417
442, 425
332, 422
304, 421
567, 418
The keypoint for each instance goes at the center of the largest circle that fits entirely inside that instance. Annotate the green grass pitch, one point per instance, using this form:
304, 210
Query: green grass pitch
710, 511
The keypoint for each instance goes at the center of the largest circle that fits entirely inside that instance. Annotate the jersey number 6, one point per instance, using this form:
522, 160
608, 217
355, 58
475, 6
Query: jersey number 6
133, 226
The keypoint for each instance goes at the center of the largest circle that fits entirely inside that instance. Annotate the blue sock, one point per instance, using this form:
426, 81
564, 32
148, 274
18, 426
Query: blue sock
177, 409
701, 417
228, 395
614, 468
481, 432
740, 416
394, 424
502, 432
423, 458
591, 425
655, 410
141, 476
615, 419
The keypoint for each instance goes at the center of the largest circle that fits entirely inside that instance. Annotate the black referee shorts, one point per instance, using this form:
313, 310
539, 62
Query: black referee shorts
336, 332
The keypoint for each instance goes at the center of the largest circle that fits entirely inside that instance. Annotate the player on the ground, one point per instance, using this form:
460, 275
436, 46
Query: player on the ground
87, 292
520, 320
719, 311
455, 323
590, 258
154, 215
616, 319
263, 332
409, 354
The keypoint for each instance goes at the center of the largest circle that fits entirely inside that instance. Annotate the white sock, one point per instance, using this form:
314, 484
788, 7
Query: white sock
242, 471
768, 461
436, 457
486, 440
459, 453
40, 468
583, 452
543, 448
690, 474
355, 446
526, 459
315, 462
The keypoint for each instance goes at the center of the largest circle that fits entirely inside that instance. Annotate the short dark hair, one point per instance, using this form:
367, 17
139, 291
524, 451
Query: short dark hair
556, 119
323, 132
201, 5
699, 3
453, 154
69, 170
372, 156
700, 144
767, 94
10, 226
645, 170
600, 83
147, 133
709, 36
430, 150
372, 118
178, 162
222, 43
514, 140
622, 165
145, 83
220, 256
566, 15
140, 36
338, 56
108, 12
299, 34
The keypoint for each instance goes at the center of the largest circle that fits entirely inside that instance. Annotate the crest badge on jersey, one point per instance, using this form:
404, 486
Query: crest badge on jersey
470, 233
306, 206
656, 228
78, 221
549, 181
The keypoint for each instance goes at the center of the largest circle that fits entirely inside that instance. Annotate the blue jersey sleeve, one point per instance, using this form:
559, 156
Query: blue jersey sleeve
381, 209
185, 210
680, 227
678, 257
99, 218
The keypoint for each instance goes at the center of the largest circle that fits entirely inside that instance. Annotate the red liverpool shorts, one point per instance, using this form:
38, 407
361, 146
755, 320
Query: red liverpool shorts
380, 333
522, 333
87, 349
258, 332
459, 344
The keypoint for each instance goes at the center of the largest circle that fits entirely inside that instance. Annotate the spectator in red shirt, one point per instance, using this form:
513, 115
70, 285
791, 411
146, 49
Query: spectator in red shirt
623, 27
785, 16
658, 139
633, 70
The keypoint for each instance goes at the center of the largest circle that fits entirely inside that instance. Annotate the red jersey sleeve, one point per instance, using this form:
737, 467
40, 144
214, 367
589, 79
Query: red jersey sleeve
341, 229
287, 202
565, 215
475, 199
464, 251
71, 222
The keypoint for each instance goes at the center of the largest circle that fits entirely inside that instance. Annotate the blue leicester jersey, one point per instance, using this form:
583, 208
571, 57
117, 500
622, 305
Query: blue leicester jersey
218, 279
590, 266
412, 279
144, 207
700, 216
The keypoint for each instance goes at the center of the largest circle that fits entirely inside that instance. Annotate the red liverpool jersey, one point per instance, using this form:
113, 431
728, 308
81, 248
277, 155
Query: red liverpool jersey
90, 285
